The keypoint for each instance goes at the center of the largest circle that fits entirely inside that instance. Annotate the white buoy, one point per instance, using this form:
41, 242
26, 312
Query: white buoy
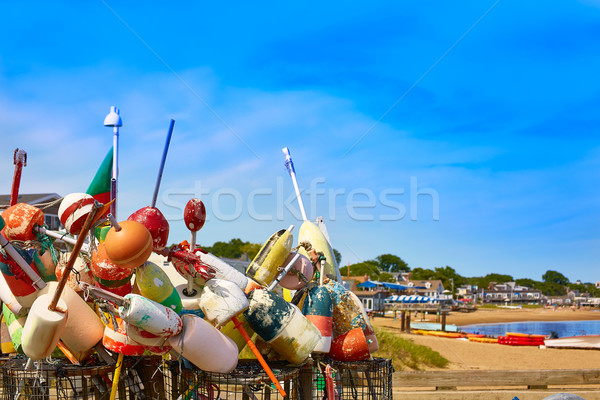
43, 327
150, 316
222, 300
204, 346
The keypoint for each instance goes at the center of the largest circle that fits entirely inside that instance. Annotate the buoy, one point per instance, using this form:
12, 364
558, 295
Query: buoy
282, 326
153, 283
43, 327
234, 334
118, 341
370, 336
9, 299
222, 270
45, 265
130, 246
252, 285
6, 345
318, 309
120, 290
19, 284
346, 313
156, 223
106, 271
83, 329
222, 300
204, 346
300, 274
351, 346
15, 326
158, 345
81, 272
20, 220
271, 256
311, 233
74, 209
150, 316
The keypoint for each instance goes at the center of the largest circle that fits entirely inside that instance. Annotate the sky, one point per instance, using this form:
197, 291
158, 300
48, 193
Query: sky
447, 133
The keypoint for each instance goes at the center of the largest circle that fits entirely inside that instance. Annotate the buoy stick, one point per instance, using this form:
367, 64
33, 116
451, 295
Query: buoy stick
289, 164
115, 382
322, 274
30, 272
283, 272
20, 160
114, 222
259, 357
162, 164
84, 231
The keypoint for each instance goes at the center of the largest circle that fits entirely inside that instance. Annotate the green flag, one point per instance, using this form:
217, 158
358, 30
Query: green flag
100, 186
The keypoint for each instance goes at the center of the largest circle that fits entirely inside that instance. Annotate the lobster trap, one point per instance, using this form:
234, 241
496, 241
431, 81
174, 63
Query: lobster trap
357, 380
247, 382
62, 380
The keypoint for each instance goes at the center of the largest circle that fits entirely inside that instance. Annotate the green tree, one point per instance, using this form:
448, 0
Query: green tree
364, 268
555, 277
386, 277
391, 263
422, 274
338, 256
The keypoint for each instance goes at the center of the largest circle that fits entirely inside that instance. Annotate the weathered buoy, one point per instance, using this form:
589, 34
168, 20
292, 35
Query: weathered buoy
129, 246
19, 284
106, 271
222, 270
346, 313
150, 316
74, 209
300, 274
45, 265
204, 346
221, 301
20, 220
370, 336
155, 344
282, 326
153, 283
43, 327
156, 223
351, 346
15, 326
272, 255
234, 334
318, 309
83, 329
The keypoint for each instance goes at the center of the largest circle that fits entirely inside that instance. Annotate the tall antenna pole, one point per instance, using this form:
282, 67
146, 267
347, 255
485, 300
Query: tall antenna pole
114, 119
289, 164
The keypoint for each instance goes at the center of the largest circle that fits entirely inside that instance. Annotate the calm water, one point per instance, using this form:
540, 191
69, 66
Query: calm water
562, 328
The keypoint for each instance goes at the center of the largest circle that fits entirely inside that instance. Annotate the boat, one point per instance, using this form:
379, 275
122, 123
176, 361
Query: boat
483, 339
575, 342
433, 326
452, 335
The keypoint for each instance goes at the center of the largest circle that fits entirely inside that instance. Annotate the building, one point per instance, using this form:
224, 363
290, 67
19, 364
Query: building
431, 288
510, 292
50, 212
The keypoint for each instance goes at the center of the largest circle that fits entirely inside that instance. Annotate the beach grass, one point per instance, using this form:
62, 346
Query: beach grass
405, 353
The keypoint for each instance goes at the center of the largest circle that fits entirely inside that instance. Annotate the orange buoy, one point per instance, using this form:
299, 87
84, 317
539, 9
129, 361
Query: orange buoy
129, 246
106, 271
20, 220
351, 346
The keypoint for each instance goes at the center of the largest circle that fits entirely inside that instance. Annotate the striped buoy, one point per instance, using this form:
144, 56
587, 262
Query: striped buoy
204, 346
265, 266
318, 309
153, 283
282, 326
155, 344
74, 209
20, 220
118, 341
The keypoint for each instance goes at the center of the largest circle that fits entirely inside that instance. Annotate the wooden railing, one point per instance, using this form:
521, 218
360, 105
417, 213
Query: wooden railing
532, 379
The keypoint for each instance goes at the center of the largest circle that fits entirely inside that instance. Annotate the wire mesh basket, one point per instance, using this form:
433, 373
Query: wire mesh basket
62, 380
247, 382
357, 380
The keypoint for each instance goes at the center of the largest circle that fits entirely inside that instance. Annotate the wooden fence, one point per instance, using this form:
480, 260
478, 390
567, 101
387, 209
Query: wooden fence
488, 379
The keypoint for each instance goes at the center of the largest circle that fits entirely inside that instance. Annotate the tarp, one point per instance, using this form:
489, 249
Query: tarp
373, 284
410, 299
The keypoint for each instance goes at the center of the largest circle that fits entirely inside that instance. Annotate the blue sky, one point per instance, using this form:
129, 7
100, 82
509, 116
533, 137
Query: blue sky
461, 134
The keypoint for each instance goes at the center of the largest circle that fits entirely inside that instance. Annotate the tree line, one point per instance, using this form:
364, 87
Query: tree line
385, 267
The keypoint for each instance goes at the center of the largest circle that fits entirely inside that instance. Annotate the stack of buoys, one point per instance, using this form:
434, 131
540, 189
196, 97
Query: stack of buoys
152, 310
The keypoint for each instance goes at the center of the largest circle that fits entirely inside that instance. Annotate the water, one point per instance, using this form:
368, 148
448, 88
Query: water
562, 328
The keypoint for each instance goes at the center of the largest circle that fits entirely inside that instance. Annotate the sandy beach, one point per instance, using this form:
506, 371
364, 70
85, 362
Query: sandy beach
465, 355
